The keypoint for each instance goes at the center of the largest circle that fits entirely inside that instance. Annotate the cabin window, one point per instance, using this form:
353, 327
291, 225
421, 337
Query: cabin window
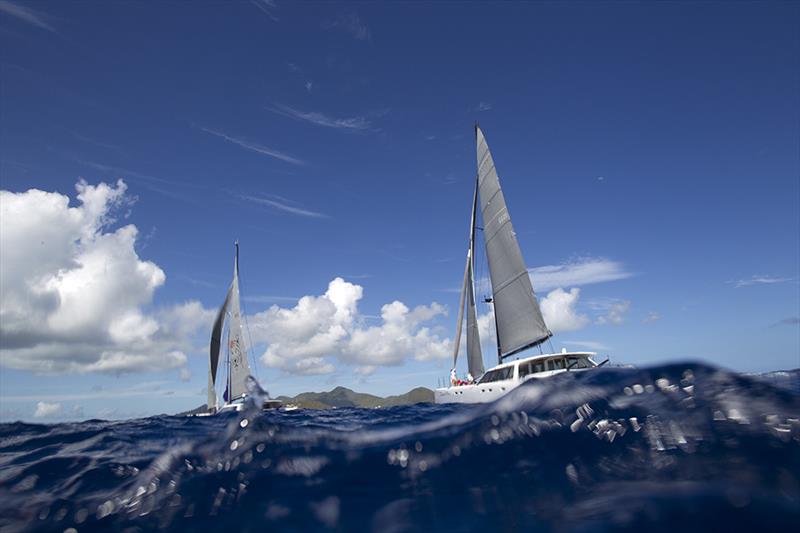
537, 367
524, 370
577, 362
555, 364
498, 374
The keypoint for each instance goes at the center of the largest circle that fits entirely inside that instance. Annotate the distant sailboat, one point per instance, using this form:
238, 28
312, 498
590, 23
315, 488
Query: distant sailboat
237, 366
519, 323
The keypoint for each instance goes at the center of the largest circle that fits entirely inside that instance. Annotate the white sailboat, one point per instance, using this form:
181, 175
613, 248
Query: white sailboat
519, 323
236, 364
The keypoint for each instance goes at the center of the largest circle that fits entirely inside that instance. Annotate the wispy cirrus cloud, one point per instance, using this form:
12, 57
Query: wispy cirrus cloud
572, 273
268, 7
25, 14
351, 24
358, 123
758, 280
790, 321
577, 272
282, 204
255, 147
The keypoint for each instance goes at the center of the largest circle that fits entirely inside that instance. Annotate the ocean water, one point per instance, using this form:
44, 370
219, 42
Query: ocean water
678, 447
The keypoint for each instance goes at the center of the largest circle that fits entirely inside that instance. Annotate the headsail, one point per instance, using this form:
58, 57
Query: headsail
518, 318
474, 355
239, 366
216, 340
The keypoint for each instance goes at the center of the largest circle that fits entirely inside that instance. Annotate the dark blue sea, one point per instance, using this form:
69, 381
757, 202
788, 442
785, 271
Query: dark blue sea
670, 448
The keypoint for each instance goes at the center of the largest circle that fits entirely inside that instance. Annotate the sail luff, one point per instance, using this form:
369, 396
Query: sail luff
518, 317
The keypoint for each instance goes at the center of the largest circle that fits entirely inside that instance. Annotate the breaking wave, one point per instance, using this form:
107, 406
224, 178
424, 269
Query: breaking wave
681, 446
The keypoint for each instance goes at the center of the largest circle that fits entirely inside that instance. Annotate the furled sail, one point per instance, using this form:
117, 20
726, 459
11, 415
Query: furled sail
518, 318
239, 368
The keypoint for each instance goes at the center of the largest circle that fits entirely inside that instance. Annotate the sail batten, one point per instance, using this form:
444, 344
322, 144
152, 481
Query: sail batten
518, 317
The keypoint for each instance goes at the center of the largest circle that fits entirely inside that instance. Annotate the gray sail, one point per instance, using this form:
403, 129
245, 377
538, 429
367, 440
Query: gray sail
239, 368
457, 341
216, 340
518, 318
474, 355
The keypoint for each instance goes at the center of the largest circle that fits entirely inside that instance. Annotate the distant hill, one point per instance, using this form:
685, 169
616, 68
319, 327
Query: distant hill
344, 397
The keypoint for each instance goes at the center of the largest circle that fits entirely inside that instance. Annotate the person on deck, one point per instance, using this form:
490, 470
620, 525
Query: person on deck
453, 378
470, 379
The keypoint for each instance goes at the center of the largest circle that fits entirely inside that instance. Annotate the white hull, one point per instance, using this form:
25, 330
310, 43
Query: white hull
518, 372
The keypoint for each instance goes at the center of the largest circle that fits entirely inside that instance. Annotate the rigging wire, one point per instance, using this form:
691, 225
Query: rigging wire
250, 350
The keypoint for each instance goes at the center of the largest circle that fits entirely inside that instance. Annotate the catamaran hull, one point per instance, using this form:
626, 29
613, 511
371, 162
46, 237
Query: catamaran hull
471, 393
492, 390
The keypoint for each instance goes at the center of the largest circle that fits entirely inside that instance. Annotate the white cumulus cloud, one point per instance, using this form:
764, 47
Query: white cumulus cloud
306, 338
613, 310
46, 410
74, 292
559, 310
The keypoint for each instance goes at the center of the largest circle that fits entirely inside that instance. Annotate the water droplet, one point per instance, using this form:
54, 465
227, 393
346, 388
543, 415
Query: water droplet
234, 444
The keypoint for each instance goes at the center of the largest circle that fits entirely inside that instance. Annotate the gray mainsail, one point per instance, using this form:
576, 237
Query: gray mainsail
239, 367
518, 318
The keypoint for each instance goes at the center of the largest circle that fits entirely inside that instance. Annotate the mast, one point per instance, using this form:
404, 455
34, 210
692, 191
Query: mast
518, 318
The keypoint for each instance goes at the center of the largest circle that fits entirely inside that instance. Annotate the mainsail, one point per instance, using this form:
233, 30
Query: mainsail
518, 318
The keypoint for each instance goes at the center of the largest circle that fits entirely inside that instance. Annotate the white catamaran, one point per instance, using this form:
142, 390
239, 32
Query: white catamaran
237, 365
518, 320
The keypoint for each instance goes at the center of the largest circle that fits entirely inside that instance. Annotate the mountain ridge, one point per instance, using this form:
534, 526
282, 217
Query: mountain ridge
344, 397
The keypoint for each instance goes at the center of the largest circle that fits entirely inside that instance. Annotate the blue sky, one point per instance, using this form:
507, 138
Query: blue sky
648, 153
